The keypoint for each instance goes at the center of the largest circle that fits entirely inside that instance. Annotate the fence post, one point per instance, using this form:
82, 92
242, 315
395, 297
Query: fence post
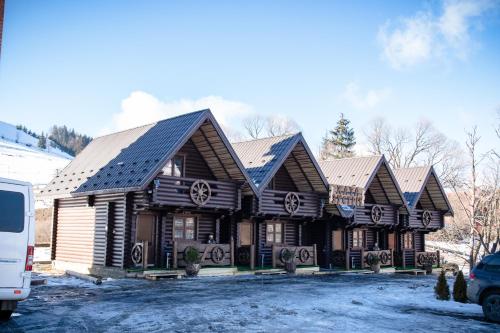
362, 258
404, 258
174, 255
347, 258
392, 257
272, 256
232, 251
415, 258
315, 255
252, 257
438, 258
145, 255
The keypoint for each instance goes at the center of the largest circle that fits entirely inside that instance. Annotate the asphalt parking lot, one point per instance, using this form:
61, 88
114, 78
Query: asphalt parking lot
348, 303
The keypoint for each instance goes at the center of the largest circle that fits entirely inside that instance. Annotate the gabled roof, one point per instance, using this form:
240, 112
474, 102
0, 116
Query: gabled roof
422, 183
263, 157
372, 172
129, 160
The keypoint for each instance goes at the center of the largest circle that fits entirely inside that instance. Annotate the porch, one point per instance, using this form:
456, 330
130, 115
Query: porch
302, 255
414, 258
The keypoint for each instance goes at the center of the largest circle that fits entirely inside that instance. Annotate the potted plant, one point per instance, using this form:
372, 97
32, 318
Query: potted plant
374, 261
289, 260
192, 259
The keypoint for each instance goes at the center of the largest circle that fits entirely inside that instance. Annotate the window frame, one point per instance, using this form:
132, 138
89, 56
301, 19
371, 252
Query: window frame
282, 232
184, 219
356, 241
18, 198
172, 166
408, 239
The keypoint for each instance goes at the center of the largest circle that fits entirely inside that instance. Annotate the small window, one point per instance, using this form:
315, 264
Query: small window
358, 237
184, 228
408, 241
12, 211
174, 167
274, 232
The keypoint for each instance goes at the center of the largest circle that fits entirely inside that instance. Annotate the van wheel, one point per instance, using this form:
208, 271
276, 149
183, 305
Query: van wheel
5, 315
491, 307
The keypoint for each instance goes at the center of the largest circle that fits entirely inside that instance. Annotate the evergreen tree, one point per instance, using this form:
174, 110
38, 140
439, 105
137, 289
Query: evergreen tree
42, 141
442, 290
340, 141
460, 288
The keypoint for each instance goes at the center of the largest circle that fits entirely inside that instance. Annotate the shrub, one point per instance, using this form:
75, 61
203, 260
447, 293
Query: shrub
460, 288
442, 290
192, 255
288, 255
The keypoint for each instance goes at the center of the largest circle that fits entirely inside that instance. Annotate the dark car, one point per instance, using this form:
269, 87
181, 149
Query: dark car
484, 286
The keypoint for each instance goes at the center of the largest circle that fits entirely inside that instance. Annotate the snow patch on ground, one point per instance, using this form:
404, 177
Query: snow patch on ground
360, 303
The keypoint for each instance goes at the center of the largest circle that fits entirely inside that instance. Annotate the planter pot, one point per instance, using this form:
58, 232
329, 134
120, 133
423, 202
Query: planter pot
428, 269
290, 267
375, 268
192, 269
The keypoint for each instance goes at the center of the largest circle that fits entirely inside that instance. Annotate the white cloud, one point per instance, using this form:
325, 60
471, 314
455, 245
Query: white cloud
428, 36
141, 108
364, 100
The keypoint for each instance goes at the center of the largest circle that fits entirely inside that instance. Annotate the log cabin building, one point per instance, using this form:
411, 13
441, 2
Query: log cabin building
291, 192
141, 196
363, 212
428, 205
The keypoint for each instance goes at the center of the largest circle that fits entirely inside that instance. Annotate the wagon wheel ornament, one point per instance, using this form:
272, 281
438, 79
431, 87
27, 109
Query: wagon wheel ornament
217, 254
426, 218
137, 253
384, 258
284, 253
244, 255
376, 214
200, 192
304, 255
292, 203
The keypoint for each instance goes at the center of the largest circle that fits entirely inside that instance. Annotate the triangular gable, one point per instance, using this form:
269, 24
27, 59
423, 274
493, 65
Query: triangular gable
422, 189
132, 164
263, 158
371, 174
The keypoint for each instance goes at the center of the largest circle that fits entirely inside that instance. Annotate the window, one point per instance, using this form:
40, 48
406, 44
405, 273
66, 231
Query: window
358, 237
274, 232
12, 208
184, 228
174, 167
408, 241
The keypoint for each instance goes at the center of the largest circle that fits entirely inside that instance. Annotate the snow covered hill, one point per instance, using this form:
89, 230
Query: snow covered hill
21, 159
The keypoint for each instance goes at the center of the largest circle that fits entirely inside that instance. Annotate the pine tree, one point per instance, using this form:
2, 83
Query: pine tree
442, 290
460, 288
42, 141
339, 142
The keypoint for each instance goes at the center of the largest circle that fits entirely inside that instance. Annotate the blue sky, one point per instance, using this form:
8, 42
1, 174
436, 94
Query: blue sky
100, 66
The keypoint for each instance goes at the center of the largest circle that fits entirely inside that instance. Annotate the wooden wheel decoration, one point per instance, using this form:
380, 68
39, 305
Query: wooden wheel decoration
370, 259
217, 254
384, 258
200, 192
304, 255
284, 253
244, 255
292, 203
137, 251
426, 218
376, 214
427, 259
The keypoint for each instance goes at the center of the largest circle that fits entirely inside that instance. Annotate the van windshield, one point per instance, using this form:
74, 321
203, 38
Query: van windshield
11, 211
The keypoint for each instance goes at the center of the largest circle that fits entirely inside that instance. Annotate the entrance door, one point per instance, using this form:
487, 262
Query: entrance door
245, 241
145, 232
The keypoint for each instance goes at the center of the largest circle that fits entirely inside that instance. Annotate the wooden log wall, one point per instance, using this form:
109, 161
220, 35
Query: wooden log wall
264, 248
272, 202
415, 220
363, 215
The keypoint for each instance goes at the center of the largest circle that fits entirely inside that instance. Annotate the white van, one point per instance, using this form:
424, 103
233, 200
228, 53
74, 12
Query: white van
17, 240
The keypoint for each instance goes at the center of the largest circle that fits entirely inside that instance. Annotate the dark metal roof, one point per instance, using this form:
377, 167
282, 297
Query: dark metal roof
422, 183
129, 160
263, 157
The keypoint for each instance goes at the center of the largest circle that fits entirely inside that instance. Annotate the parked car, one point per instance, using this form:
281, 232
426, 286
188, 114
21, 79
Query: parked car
484, 286
17, 238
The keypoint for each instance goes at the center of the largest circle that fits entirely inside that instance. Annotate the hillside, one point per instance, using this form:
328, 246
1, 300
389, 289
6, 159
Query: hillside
21, 159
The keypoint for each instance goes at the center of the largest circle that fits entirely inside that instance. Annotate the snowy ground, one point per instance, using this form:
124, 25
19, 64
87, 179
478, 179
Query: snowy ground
349, 303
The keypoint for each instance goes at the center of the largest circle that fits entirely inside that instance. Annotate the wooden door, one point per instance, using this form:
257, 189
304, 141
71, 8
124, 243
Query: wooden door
244, 244
146, 232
